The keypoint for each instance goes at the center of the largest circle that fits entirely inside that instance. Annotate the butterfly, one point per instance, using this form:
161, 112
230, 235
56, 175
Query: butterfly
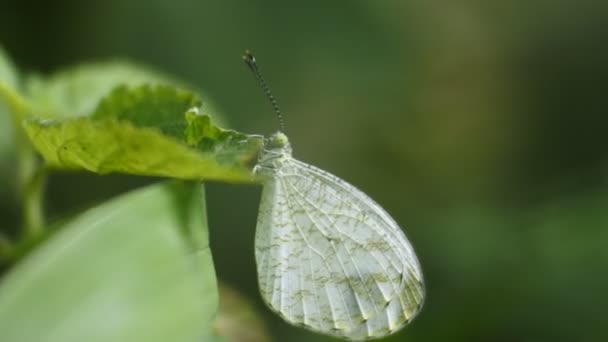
328, 257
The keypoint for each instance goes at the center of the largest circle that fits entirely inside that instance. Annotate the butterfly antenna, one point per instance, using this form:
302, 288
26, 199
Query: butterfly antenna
249, 59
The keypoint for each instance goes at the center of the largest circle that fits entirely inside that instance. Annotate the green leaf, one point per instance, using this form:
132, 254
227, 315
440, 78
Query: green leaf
8, 84
8, 71
160, 106
147, 130
77, 91
12, 108
135, 269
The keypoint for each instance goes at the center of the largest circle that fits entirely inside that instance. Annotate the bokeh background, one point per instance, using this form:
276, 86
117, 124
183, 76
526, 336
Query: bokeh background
481, 126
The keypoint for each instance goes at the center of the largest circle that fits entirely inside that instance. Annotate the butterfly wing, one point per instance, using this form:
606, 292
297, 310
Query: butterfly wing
332, 260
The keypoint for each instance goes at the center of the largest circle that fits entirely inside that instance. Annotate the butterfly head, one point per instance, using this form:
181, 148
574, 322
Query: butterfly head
275, 152
277, 141
277, 145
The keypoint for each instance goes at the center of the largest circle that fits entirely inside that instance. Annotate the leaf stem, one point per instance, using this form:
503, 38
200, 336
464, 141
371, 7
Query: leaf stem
31, 176
16, 103
33, 181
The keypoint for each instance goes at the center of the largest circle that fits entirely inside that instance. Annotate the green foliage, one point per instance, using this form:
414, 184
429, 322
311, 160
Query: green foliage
8, 79
8, 72
149, 106
77, 91
146, 131
137, 268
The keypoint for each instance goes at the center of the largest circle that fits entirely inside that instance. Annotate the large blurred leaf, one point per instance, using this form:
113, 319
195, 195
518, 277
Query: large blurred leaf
135, 269
147, 131
77, 91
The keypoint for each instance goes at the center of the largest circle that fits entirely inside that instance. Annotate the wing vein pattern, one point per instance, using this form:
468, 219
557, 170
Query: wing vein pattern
331, 259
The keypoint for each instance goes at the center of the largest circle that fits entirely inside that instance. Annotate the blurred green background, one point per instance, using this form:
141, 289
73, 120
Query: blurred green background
481, 126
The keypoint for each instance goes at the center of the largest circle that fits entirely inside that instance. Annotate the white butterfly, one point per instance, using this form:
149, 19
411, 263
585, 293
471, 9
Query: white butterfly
328, 257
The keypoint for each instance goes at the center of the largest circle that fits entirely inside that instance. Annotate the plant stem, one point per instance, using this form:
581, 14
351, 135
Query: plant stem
16, 103
32, 181
31, 176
